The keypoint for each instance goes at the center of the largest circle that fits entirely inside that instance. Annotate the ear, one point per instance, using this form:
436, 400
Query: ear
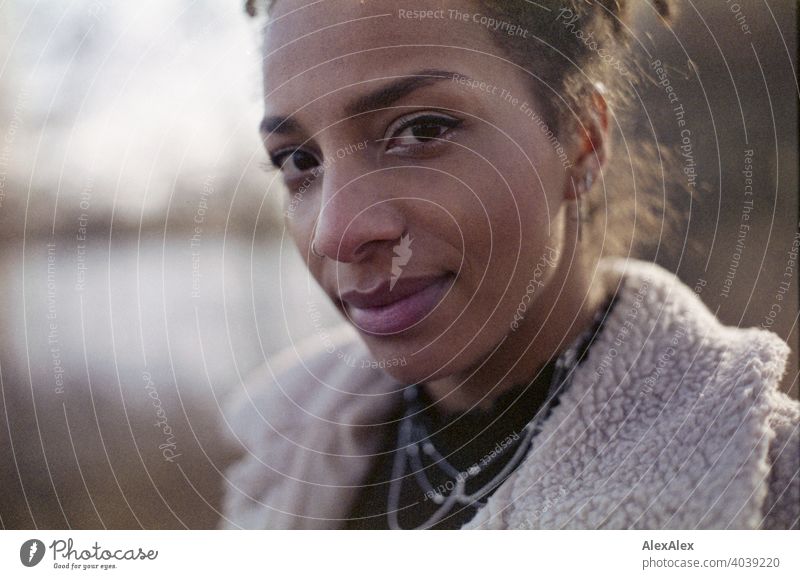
591, 144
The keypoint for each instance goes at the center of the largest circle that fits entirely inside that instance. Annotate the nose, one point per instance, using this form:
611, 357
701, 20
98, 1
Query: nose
355, 219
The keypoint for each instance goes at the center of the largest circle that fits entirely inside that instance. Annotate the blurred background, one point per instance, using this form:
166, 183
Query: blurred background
144, 268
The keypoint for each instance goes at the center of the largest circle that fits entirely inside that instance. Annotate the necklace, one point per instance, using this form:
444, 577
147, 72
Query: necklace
414, 441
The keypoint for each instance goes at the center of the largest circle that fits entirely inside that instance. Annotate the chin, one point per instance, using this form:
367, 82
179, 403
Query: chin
415, 373
408, 374
429, 363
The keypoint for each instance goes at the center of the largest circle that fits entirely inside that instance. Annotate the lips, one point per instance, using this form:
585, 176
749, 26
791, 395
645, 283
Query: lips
387, 311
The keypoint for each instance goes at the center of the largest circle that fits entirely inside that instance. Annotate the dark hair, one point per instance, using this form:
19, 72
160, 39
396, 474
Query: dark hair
585, 43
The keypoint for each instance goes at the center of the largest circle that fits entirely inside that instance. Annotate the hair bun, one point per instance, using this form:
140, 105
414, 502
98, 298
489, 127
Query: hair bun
616, 11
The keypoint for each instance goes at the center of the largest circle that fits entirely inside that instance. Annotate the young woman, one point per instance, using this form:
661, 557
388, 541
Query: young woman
448, 172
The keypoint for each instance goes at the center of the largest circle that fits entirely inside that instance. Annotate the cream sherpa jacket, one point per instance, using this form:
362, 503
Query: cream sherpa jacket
673, 421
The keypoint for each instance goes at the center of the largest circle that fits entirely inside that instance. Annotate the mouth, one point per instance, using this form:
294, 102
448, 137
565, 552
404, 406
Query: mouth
383, 310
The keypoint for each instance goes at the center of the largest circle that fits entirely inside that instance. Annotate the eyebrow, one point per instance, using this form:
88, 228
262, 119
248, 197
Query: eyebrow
378, 99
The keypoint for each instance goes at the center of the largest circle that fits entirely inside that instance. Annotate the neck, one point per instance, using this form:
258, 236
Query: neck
563, 311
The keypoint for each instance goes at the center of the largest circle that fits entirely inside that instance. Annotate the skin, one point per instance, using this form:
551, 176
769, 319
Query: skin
484, 200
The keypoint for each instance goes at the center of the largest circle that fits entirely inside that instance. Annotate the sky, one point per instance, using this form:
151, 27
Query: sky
148, 97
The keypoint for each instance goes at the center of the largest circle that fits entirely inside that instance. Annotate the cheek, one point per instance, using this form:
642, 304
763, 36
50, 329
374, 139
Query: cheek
512, 225
518, 215
300, 210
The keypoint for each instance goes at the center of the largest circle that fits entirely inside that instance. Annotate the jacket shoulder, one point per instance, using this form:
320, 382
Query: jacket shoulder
680, 409
782, 504
303, 426
731, 377
300, 381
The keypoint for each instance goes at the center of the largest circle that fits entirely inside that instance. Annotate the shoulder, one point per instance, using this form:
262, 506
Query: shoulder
671, 316
681, 336
725, 394
311, 378
782, 504
682, 410
303, 426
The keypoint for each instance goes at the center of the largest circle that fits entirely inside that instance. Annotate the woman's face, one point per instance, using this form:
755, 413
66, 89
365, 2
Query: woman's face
413, 155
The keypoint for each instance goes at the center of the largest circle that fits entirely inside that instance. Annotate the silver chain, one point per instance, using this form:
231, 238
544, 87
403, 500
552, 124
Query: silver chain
409, 451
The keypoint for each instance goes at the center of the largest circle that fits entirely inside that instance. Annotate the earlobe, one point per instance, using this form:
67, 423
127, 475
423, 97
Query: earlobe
592, 148
578, 184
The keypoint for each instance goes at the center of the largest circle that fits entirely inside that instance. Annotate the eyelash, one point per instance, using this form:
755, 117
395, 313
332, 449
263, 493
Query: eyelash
279, 158
424, 120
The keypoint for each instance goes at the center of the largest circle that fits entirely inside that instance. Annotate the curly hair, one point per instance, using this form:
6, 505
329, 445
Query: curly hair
586, 45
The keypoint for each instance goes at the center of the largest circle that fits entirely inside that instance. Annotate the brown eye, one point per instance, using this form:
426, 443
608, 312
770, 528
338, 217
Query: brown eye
426, 130
304, 161
293, 161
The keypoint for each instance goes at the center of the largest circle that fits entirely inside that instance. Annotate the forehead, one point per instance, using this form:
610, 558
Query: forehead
319, 47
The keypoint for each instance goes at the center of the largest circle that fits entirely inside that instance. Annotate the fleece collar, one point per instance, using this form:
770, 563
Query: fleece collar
664, 426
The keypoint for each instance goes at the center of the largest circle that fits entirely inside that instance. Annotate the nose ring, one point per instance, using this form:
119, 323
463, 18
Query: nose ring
314, 249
